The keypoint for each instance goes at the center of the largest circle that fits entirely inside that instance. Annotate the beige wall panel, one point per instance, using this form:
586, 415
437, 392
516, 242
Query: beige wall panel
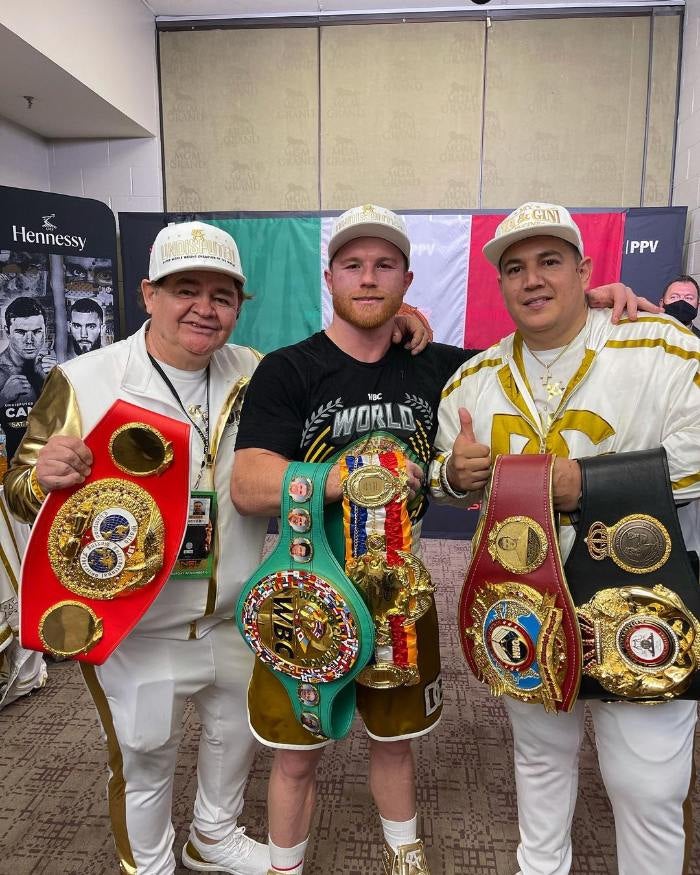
565, 111
662, 111
240, 119
401, 115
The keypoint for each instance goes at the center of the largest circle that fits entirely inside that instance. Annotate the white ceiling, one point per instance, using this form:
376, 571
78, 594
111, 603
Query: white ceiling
191, 9
66, 108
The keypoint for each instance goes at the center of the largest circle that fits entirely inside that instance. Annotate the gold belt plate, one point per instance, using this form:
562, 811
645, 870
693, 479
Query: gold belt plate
139, 449
107, 539
387, 590
374, 486
518, 544
639, 642
519, 646
638, 543
298, 623
383, 676
70, 628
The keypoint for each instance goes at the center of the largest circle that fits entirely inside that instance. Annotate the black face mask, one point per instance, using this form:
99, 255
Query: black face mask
681, 310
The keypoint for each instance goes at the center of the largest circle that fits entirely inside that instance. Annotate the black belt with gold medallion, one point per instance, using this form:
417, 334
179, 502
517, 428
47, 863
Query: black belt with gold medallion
636, 592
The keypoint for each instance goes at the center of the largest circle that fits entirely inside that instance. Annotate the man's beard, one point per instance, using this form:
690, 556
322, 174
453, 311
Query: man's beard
352, 312
78, 348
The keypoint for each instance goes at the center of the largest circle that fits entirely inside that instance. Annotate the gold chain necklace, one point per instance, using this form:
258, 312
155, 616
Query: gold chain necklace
553, 389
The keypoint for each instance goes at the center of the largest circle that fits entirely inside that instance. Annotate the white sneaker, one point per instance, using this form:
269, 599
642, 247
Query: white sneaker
236, 854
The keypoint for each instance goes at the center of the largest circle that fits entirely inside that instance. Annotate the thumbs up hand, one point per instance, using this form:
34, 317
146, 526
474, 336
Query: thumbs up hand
469, 466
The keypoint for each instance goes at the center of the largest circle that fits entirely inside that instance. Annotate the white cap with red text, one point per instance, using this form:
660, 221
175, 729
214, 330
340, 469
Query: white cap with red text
369, 221
194, 246
533, 220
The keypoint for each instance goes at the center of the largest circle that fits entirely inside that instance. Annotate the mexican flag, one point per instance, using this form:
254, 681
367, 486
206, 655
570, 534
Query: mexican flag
284, 256
453, 284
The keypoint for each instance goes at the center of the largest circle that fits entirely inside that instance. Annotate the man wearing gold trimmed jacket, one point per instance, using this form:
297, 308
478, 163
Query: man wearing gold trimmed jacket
178, 365
572, 384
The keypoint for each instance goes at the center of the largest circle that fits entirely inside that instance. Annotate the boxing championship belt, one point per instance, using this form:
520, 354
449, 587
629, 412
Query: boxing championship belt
302, 617
100, 552
394, 583
637, 595
517, 621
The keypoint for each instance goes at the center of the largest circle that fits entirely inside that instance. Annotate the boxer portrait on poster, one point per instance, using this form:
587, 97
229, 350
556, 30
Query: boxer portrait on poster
53, 308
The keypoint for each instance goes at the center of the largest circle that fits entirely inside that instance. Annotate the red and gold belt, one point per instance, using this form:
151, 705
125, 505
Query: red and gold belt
99, 553
517, 621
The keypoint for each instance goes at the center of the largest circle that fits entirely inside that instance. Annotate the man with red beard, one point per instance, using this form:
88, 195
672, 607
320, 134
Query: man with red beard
321, 400
344, 393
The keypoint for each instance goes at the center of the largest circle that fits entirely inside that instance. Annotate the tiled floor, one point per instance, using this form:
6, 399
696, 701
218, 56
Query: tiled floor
53, 818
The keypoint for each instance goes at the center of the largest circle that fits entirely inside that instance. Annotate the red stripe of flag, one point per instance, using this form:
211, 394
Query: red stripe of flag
487, 320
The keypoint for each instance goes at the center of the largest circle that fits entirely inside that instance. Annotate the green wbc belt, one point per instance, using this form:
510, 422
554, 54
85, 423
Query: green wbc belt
301, 615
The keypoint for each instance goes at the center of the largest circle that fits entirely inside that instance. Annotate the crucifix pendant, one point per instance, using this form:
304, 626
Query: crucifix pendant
553, 389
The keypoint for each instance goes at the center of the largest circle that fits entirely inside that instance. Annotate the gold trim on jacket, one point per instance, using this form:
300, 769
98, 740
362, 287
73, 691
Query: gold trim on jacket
55, 412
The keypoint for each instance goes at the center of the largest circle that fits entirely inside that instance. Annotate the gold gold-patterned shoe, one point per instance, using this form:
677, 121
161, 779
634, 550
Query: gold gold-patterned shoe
408, 860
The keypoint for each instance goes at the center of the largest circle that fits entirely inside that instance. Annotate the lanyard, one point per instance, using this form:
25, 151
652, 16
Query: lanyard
207, 461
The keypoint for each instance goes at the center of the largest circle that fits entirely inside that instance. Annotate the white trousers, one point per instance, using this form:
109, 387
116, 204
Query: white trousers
146, 682
645, 755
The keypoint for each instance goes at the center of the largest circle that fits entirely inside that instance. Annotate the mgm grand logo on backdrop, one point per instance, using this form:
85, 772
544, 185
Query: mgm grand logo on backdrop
47, 236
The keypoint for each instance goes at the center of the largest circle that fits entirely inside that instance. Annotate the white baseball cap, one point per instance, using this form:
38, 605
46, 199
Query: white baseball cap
194, 246
533, 220
369, 221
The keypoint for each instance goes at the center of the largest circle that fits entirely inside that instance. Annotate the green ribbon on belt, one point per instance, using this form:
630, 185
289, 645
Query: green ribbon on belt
302, 616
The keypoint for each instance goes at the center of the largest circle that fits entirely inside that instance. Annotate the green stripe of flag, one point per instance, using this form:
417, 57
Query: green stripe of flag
281, 258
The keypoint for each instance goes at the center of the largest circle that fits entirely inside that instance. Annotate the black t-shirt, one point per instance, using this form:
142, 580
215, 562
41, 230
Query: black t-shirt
308, 401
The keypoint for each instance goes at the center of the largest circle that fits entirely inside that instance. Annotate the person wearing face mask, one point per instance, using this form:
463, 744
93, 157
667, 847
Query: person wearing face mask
680, 300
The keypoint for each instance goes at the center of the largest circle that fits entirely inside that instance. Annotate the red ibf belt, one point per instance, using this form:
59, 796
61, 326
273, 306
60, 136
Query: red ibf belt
517, 621
99, 553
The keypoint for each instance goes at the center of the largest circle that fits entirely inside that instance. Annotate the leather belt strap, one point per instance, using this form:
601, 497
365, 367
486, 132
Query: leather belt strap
301, 615
517, 621
630, 576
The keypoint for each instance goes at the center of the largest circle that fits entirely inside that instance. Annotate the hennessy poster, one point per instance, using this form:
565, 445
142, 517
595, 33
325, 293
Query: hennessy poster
57, 292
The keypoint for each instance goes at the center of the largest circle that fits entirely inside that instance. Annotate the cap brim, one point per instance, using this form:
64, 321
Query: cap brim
370, 229
495, 248
178, 268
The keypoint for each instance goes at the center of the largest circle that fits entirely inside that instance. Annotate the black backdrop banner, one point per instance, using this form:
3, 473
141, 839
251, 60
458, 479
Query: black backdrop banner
137, 231
652, 253
58, 272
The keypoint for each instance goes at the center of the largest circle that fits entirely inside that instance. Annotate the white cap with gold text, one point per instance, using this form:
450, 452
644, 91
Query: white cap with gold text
194, 246
369, 221
533, 220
